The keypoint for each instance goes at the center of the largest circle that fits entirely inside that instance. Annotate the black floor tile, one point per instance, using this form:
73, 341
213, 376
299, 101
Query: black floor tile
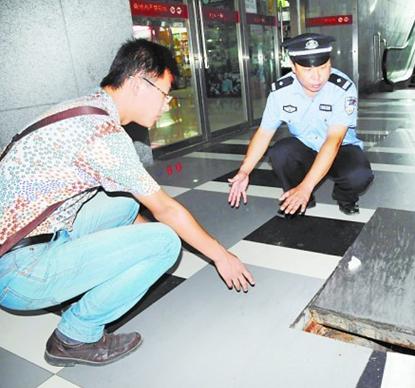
403, 113
257, 177
373, 373
16, 371
226, 148
163, 286
371, 137
314, 234
240, 149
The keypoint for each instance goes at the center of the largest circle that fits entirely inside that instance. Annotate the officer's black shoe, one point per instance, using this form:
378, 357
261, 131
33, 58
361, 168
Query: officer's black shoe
311, 203
349, 208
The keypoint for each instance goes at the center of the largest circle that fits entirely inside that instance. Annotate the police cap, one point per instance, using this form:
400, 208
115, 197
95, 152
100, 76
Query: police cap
309, 49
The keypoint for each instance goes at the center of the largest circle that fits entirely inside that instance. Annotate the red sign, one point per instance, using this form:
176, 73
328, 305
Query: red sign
220, 15
158, 10
253, 18
329, 20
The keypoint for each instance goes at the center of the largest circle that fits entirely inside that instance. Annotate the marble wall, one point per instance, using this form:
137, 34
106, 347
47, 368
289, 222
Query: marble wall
53, 50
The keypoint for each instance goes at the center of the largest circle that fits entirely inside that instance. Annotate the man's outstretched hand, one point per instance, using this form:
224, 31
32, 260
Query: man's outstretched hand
238, 184
234, 272
294, 199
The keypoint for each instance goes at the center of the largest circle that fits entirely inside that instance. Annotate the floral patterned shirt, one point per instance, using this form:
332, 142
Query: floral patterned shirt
63, 160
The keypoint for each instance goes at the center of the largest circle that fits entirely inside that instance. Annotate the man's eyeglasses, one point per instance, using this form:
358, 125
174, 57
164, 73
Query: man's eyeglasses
167, 97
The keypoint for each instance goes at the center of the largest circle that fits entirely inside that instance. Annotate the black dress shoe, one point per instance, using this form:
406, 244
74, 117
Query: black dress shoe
110, 348
349, 208
311, 203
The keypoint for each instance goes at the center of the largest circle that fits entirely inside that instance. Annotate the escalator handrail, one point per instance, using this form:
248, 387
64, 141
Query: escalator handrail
390, 48
406, 43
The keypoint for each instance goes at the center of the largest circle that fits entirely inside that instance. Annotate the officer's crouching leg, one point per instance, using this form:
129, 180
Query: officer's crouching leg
348, 187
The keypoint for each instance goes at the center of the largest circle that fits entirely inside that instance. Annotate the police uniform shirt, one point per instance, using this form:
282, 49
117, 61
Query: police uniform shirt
308, 118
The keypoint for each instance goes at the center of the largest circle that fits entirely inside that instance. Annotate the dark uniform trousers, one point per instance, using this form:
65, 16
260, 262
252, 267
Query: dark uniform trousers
350, 171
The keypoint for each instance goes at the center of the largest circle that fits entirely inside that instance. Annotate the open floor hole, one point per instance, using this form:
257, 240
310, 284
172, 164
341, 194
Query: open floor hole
309, 322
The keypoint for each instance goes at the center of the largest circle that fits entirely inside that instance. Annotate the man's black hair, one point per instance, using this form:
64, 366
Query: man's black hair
139, 55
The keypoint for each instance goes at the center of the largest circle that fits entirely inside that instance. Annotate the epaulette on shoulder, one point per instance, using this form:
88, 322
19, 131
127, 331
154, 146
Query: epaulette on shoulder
340, 81
282, 83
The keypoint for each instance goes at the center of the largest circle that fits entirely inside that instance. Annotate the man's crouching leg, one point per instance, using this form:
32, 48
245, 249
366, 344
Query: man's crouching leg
80, 337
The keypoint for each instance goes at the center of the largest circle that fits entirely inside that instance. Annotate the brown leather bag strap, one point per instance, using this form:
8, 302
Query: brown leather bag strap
22, 233
66, 114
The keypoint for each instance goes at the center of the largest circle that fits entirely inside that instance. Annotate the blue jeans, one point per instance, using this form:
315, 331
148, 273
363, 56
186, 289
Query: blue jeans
106, 256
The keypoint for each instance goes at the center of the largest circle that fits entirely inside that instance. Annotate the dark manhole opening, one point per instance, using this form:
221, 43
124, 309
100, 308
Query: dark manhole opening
308, 322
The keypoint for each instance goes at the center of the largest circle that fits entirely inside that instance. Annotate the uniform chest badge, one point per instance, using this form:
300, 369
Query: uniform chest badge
289, 108
350, 104
326, 107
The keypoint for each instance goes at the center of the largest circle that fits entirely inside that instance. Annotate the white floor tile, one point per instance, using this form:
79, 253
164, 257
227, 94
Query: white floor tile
264, 191
321, 209
26, 336
375, 167
399, 371
394, 150
236, 141
332, 211
253, 190
266, 166
214, 155
372, 132
365, 111
393, 168
366, 143
57, 382
296, 261
174, 191
189, 265
219, 187
387, 102
382, 118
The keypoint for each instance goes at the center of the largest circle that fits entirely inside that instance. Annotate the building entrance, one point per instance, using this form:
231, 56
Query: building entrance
226, 51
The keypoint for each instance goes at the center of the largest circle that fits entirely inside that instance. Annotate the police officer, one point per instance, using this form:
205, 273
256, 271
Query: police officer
319, 105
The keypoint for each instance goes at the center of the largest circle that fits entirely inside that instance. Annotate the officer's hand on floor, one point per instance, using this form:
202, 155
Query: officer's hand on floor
234, 273
294, 199
239, 184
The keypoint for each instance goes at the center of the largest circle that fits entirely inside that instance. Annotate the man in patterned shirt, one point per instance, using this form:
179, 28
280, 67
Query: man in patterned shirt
94, 242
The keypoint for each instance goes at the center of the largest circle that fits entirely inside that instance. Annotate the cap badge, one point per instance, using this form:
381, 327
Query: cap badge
311, 44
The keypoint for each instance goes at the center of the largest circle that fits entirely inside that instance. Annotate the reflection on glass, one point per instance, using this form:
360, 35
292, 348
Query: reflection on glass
181, 121
261, 50
223, 77
261, 22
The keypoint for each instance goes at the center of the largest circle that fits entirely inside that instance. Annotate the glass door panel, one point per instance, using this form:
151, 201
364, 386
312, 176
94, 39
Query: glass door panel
167, 24
221, 64
285, 32
261, 30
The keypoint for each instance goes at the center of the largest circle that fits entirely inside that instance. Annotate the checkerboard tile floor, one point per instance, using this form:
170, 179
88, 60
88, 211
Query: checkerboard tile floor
297, 251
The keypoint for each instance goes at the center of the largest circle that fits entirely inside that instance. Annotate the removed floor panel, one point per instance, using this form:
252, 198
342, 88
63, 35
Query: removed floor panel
372, 291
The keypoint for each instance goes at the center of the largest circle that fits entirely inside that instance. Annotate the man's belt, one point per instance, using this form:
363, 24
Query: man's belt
39, 239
